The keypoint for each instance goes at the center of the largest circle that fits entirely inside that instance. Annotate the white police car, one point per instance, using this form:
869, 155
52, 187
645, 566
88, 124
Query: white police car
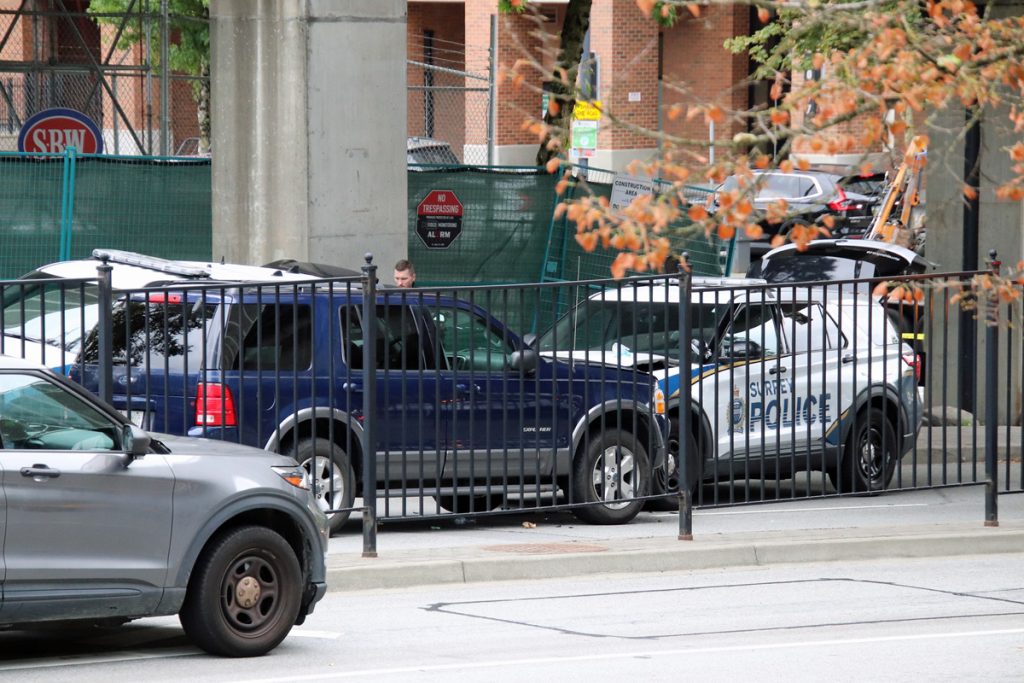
47, 311
782, 378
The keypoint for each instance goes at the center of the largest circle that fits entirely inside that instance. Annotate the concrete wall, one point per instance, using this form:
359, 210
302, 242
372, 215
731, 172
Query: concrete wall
309, 115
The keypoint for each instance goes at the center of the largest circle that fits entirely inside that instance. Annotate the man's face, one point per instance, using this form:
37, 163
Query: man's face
404, 278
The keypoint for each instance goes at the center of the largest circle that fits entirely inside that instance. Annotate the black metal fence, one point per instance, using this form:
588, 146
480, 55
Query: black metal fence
645, 393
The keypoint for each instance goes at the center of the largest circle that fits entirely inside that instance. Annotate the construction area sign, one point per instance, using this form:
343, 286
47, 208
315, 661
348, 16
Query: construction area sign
439, 219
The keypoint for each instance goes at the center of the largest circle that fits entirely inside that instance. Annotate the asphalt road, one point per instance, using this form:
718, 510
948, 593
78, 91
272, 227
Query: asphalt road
930, 619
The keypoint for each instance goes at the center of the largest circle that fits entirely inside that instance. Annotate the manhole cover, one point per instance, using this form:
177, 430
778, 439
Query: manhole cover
545, 548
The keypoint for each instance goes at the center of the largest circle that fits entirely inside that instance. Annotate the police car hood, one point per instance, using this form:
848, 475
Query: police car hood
617, 356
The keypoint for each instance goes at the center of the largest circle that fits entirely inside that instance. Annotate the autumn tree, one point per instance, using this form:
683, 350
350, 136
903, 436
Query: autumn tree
893, 66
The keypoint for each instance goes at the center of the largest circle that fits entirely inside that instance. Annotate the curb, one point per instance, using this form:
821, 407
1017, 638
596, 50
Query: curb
665, 555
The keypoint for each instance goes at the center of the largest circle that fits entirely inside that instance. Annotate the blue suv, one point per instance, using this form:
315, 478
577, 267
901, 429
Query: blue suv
465, 411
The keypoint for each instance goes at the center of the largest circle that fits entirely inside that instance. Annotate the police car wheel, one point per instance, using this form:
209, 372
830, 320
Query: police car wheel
332, 479
614, 469
870, 457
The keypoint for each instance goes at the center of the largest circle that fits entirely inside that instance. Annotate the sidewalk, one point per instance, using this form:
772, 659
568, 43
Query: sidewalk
938, 522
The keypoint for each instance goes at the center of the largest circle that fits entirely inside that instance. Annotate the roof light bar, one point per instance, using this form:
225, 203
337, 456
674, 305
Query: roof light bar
130, 258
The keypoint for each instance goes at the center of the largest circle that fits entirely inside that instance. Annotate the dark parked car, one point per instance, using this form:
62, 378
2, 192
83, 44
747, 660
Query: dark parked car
462, 402
810, 196
104, 523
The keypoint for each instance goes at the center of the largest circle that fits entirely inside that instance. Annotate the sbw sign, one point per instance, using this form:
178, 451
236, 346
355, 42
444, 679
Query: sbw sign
54, 130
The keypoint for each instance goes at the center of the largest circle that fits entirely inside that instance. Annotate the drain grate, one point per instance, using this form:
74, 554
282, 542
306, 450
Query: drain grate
545, 548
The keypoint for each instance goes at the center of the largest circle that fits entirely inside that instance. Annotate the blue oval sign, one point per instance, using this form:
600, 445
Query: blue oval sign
54, 130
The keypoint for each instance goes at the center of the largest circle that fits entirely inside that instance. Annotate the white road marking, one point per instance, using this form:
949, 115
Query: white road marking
506, 663
112, 658
309, 633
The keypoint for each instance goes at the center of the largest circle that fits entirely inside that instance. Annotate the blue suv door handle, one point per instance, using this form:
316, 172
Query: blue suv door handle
38, 471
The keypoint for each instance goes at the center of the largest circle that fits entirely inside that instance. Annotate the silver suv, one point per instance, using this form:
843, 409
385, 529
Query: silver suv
103, 523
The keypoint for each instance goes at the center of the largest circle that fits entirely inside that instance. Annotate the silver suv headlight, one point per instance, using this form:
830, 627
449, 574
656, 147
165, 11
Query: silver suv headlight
294, 475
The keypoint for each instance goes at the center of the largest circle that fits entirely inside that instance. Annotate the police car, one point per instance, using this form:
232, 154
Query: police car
782, 378
47, 311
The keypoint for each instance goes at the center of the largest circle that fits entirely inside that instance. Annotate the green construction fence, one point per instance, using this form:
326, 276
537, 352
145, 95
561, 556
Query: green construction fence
55, 207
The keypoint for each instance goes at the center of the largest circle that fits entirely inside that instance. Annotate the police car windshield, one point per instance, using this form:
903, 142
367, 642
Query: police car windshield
642, 327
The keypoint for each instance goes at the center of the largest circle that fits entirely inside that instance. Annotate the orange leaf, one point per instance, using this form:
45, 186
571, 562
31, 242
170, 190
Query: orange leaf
779, 117
786, 166
778, 241
803, 164
882, 289
726, 232
762, 161
697, 213
646, 6
694, 9
587, 240
553, 164
621, 263
553, 106
818, 60
763, 15
716, 114
970, 192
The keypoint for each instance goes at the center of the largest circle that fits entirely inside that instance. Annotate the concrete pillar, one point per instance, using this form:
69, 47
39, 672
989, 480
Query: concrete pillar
308, 138
1001, 228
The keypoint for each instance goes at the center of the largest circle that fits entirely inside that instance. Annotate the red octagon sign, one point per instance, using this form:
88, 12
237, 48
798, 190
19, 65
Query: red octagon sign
439, 219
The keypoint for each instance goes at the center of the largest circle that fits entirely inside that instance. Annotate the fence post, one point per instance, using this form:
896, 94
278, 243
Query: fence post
105, 330
369, 407
492, 94
67, 203
991, 407
685, 427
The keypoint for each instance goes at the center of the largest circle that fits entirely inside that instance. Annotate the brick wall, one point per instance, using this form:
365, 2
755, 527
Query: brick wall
626, 43
708, 73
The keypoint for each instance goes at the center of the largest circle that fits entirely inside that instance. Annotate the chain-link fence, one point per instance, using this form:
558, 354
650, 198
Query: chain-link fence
60, 58
450, 91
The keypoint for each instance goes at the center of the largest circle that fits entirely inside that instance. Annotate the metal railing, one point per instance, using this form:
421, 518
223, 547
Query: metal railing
422, 403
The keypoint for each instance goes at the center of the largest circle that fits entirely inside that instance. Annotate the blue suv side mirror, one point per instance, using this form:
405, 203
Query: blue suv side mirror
524, 361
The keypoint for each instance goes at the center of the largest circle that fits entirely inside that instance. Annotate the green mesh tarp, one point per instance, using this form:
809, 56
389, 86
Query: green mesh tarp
505, 224
160, 208
60, 207
508, 236
30, 212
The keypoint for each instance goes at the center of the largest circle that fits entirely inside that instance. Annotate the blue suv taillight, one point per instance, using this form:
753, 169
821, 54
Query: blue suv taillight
215, 406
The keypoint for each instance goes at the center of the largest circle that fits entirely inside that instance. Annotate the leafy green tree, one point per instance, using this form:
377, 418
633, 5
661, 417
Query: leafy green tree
189, 49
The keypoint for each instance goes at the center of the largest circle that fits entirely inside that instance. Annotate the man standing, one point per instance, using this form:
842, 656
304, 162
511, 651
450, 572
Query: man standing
405, 274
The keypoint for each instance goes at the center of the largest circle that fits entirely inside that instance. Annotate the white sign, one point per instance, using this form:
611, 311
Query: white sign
634, 97
626, 188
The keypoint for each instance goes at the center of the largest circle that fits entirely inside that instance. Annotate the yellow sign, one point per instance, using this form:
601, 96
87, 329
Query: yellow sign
587, 111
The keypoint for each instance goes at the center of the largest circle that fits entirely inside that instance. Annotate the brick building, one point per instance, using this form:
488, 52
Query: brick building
634, 58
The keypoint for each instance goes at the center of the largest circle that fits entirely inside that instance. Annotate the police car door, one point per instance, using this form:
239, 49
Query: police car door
814, 360
740, 395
